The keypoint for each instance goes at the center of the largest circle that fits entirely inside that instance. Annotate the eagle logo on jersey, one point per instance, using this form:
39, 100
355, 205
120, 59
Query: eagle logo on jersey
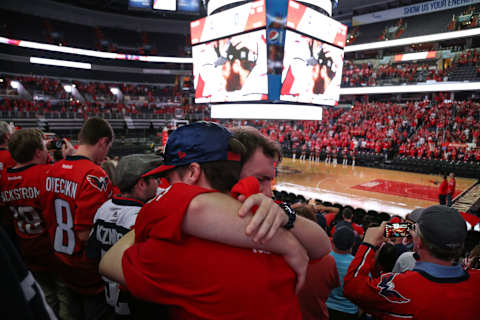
99, 183
387, 289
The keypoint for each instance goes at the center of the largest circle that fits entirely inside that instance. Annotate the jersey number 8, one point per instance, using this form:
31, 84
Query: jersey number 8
64, 235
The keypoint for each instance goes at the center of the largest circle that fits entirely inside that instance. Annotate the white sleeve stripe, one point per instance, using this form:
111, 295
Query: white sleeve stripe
362, 263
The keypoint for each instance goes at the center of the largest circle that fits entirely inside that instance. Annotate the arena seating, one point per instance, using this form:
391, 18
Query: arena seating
80, 36
427, 136
356, 74
436, 22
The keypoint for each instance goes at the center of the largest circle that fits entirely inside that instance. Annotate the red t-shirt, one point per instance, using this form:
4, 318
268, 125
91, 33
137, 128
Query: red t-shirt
75, 188
451, 186
322, 278
443, 189
206, 280
21, 189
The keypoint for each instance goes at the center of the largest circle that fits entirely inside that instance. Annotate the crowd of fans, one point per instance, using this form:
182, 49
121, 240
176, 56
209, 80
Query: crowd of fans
189, 245
465, 20
21, 108
92, 91
438, 129
365, 74
394, 31
51, 98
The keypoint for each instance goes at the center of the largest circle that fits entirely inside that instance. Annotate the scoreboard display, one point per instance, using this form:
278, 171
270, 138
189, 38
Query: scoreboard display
169, 6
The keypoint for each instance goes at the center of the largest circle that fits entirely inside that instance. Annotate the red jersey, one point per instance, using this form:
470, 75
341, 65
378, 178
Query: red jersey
417, 294
75, 188
206, 280
21, 189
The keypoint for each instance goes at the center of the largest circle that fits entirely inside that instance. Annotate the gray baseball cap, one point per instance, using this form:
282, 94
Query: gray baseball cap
443, 226
415, 214
133, 167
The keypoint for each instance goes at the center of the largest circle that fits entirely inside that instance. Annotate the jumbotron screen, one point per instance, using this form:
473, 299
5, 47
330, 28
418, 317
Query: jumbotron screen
312, 70
168, 5
231, 69
140, 4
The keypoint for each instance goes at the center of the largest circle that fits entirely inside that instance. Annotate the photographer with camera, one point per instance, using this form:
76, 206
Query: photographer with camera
59, 149
438, 236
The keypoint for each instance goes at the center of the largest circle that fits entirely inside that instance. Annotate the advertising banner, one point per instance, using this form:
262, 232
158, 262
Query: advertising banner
411, 10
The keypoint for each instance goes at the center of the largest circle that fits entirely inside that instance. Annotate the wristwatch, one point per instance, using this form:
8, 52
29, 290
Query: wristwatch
290, 213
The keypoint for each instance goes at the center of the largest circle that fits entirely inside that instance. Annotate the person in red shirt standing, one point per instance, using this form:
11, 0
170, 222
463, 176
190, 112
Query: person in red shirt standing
6, 160
75, 188
21, 189
451, 188
442, 190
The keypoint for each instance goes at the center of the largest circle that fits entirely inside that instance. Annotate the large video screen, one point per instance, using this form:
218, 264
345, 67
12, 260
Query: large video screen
313, 23
140, 4
250, 16
312, 70
231, 69
188, 5
168, 5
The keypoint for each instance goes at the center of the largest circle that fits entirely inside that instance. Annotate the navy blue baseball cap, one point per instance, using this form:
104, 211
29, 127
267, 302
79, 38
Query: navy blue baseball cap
199, 142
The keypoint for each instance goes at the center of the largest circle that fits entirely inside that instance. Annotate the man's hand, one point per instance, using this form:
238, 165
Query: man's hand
375, 235
268, 218
298, 205
111, 263
67, 148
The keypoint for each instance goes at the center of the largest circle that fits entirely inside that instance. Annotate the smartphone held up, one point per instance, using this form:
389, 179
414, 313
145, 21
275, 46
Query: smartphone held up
396, 230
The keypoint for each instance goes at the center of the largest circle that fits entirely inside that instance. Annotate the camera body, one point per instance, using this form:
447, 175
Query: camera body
55, 144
